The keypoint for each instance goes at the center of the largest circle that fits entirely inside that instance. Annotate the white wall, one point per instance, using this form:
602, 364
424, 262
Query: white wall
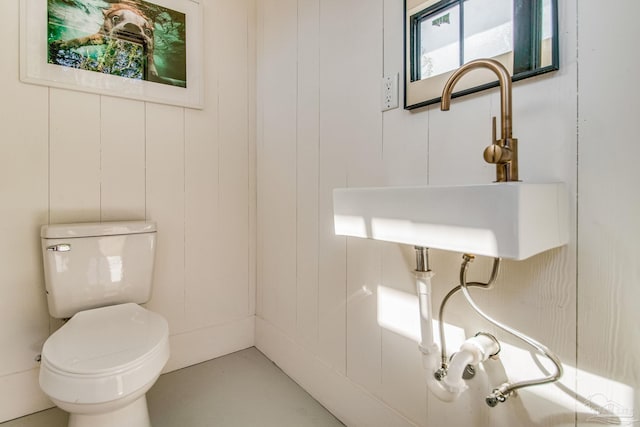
609, 213
320, 296
68, 156
317, 127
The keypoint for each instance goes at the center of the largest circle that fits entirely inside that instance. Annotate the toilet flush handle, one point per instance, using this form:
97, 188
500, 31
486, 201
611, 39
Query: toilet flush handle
61, 247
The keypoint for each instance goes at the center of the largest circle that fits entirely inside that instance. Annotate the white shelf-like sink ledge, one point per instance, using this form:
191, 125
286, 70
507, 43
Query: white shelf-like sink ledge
513, 220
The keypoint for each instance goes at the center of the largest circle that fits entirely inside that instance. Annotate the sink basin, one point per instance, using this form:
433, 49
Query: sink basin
512, 220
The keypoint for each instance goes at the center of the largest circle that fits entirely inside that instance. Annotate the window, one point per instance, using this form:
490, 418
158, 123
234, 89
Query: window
443, 35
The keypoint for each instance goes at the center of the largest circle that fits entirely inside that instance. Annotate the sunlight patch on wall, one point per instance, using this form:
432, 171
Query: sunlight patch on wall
601, 400
399, 312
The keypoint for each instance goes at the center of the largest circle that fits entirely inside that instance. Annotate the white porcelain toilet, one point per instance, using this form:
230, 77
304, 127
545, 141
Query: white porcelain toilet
99, 365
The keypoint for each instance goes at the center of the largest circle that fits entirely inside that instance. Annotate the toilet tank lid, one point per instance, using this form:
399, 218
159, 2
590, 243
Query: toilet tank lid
94, 229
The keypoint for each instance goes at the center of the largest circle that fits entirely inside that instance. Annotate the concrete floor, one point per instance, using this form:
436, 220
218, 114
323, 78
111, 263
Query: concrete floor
243, 389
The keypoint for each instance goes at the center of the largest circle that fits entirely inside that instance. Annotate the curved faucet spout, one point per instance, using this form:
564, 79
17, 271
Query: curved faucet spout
502, 152
505, 90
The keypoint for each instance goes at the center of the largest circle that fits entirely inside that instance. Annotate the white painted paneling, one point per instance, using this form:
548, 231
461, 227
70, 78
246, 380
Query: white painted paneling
74, 156
277, 174
403, 386
122, 159
203, 296
398, 315
21, 394
405, 146
234, 144
307, 149
609, 212
333, 161
332, 268
405, 162
24, 207
404, 135
363, 332
319, 127
259, 116
359, 146
166, 205
360, 128
457, 139
252, 100
217, 165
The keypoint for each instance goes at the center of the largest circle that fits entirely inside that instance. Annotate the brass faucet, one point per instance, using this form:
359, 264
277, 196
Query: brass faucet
502, 152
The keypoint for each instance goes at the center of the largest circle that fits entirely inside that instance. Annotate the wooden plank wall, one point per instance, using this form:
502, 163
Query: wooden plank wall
313, 89
69, 156
608, 217
321, 297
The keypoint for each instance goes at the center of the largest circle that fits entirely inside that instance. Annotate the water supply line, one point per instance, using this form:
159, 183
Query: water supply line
446, 387
443, 342
445, 379
501, 393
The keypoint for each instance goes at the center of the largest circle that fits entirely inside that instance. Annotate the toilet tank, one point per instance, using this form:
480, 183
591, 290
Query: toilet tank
90, 265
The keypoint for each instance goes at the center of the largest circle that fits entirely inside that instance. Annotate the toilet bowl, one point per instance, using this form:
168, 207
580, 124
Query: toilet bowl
100, 364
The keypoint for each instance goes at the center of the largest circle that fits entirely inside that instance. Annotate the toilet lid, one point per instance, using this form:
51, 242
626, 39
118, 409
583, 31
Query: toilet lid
106, 340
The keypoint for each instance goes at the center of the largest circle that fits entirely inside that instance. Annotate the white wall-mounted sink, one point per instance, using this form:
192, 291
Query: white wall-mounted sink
513, 220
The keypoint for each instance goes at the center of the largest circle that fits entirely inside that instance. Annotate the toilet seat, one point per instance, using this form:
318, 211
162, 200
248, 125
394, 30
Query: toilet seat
104, 354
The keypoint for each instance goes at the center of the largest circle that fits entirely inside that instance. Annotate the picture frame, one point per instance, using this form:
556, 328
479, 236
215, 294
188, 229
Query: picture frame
38, 66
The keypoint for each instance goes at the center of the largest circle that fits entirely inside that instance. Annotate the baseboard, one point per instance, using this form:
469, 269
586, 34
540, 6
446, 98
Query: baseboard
208, 343
348, 401
21, 395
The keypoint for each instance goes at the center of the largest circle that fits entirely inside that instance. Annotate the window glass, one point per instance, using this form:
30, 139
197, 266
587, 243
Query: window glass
547, 35
440, 42
488, 28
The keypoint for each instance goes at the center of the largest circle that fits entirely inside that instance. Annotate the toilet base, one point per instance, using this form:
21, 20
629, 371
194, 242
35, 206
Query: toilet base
134, 414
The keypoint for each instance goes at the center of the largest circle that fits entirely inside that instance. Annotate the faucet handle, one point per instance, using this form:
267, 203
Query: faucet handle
497, 154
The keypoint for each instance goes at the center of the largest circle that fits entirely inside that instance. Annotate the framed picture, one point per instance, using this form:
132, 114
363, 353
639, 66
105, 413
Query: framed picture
146, 50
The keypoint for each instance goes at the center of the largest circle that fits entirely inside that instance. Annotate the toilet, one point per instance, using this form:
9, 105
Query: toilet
99, 365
